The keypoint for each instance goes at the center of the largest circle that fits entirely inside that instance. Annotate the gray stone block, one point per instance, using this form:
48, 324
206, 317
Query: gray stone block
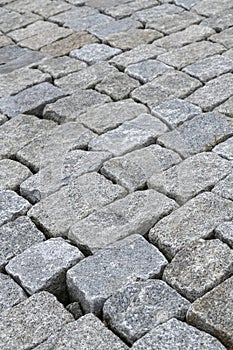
136, 213
94, 53
127, 9
12, 174
136, 309
10, 293
131, 135
61, 66
32, 321
75, 309
199, 267
97, 277
43, 266
225, 149
212, 8
11, 20
225, 232
16, 236
73, 14
224, 38
134, 169
194, 220
156, 12
187, 4
3, 119
224, 188
221, 21
177, 335
87, 22
226, 107
213, 313
12, 206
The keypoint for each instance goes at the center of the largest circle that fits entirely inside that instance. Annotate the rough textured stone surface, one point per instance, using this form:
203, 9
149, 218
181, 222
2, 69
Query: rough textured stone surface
220, 21
134, 169
12, 206
86, 23
192, 176
195, 219
43, 266
16, 236
10, 293
136, 213
94, 53
215, 317
135, 309
224, 38
177, 335
97, 277
225, 232
3, 119
12, 174
224, 188
155, 12
225, 149
226, 107
131, 135
75, 309
128, 8
61, 66
82, 196
88, 333
73, 14
199, 267
11, 20
31, 322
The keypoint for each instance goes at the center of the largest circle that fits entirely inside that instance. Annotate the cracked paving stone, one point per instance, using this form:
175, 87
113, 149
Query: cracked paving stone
70, 108
224, 188
131, 135
32, 321
184, 56
170, 85
117, 85
12, 174
199, 134
194, 220
134, 169
213, 313
125, 10
225, 232
210, 67
225, 149
156, 12
16, 236
11, 20
11, 293
85, 23
12, 206
213, 93
211, 8
140, 53
194, 175
94, 53
199, 267
110, 115
87, 333
177, 335
61, 66
97, 277
31, 100
58, 174
226, 107
73, 14
175, 112
136, 213
224, 38
86, 78
51, 145
132, 38
219, 22
43, 266
18, 80
28, 127
146, 71
137, 308
82, 196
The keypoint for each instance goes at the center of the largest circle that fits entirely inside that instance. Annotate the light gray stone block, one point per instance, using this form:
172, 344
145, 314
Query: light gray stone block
128, 8
226, 107
131, 135
10, 293
225, 187
87, 22
137, 308
61, 66
225, 149
136, 213
212, 8
12, 174
220, 21
11, 20
225, 232
156, 12
97, 277
3, 119
187, 4
75, 309
94, 53
194, 220
73, 14
224, 38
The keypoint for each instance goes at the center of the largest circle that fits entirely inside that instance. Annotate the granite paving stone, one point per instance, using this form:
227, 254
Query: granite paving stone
94, 53
87, 333
194, 175
225, 232
211, 8
138, 307
215, 317
59, 173
85, 23
224, 188
16, 236
61, 66
3, 119
194, 220
200, 134
226, 107
125, 10
31, 100
12, 20
156, 12
97, 277
12, 174
225, 149
43, 266
229, 54
199, 267
73, 14
32, 321
170, 85
82, 196
175, 112
224, 38
187, 4
219, 22
134, 169
75, 309
5, 40
136, 213
131, 135
10, 53
11, 293
12, 206
177, 335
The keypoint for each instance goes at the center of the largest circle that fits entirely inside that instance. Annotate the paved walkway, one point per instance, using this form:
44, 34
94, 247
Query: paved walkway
116, 182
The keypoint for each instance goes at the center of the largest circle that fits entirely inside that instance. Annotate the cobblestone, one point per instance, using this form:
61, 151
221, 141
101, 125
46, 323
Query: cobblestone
225, 232
61, 66
224, 187
10, 293
94, 53
225, 149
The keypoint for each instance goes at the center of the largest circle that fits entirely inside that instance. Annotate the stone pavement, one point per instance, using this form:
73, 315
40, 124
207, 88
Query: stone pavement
116, 174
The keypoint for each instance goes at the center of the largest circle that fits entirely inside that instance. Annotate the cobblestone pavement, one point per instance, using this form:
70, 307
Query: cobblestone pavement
116, 180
